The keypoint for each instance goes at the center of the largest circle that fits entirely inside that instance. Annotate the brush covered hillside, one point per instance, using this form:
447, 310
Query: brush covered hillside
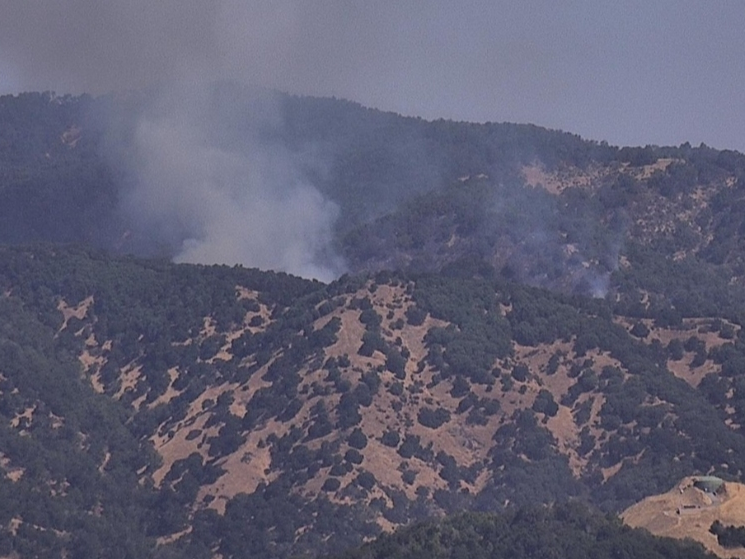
159, 410
566, 531
527, 318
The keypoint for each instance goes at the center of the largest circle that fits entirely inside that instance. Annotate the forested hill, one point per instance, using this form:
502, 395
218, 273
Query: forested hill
541, 207
159, 410
62, 156
520, 318
567, 531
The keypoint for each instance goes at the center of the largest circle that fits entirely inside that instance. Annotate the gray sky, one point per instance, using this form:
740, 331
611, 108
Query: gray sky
629, 72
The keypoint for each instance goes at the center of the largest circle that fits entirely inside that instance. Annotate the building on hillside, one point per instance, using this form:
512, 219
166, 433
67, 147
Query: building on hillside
709, 484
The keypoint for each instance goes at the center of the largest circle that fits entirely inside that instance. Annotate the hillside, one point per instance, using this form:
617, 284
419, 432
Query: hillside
526, 318
302, 417
568, 531
689, 512
381, 191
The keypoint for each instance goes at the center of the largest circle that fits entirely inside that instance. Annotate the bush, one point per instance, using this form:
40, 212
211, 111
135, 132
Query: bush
331, 484
467, 403
353, 456
395, 363
410, 446
520, 372
728, 536
357, 439
544, 403
415, 316
391, 439
461, 387
727, 332
348, 413
476, 417
366, 480
640, 330
396, 389
553, 364
339, 469
433, 418
675, 349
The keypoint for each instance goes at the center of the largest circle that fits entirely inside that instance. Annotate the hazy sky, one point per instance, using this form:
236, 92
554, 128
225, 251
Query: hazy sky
629, 72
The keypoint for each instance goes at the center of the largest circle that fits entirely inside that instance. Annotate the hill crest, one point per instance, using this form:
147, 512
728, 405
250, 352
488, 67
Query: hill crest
687, 511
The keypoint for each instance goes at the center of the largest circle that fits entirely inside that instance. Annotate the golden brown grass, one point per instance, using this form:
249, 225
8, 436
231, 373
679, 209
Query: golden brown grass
687, 512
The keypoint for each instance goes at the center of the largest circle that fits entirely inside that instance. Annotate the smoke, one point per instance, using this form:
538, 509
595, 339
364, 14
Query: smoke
302, 46
244, 201
585, 67
220, 191
207, 176
250, 200
558, 242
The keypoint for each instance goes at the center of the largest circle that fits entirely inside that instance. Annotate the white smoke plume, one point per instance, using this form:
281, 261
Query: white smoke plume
244, 204
248, 204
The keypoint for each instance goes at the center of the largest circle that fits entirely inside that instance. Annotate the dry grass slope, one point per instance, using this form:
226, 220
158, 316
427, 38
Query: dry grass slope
688, 512
396, 407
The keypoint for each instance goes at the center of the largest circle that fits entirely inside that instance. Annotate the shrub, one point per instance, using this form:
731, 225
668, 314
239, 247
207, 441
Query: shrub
461, 387
415, 316
331, 484
433, 418
640, 330
357, 439
353, 456
544, 403
396, 389
391, 439
675, 349
366, 480
396, 363
410, 446
520, 372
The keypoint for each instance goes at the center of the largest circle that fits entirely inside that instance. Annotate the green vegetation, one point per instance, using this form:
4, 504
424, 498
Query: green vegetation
728, 536
239, 360
657, 428
568, 531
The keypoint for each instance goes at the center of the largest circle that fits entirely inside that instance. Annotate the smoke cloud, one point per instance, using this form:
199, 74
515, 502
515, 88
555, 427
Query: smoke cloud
624, 72
302, 46
601, 70
246, 202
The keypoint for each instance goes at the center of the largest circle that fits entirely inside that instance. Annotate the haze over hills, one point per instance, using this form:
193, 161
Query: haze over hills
511, 317
361, 189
